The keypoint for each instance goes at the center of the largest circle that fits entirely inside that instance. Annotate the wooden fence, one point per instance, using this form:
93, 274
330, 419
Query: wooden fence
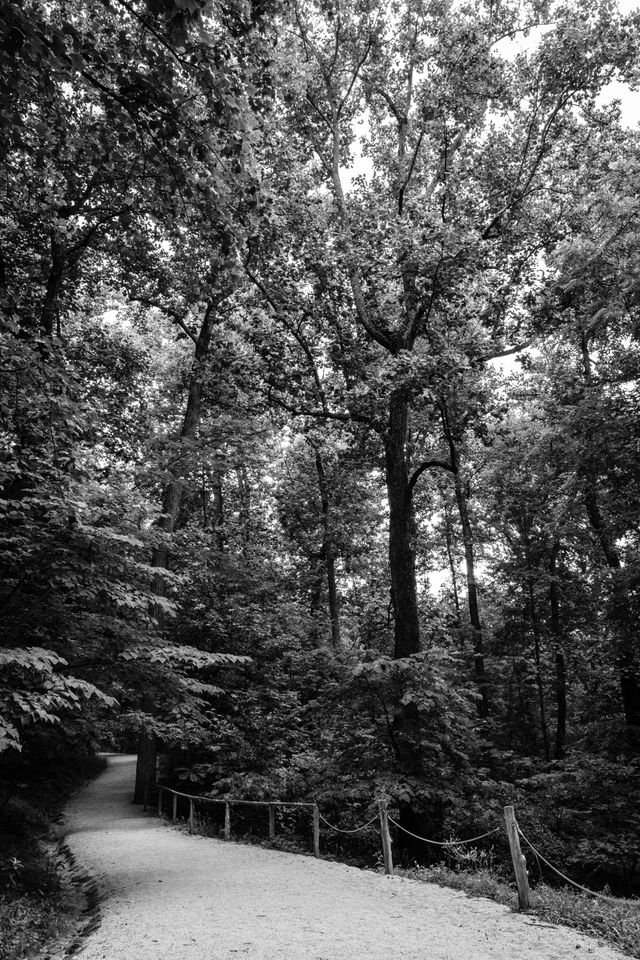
383, 818
271, 806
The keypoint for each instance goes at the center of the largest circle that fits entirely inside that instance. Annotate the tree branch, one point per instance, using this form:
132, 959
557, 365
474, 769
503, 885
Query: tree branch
170, 312
507, 352
428, 465
360, 64
295, 333
341, 416
383, 339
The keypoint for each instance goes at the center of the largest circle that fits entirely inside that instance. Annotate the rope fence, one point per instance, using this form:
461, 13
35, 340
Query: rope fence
445, 843
382, 819
356, 830
578, 886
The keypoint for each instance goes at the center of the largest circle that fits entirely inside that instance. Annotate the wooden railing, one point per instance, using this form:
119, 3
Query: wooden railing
514, 834
382, 818
228, 803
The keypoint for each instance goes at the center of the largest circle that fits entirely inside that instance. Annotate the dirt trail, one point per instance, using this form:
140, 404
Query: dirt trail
168, 896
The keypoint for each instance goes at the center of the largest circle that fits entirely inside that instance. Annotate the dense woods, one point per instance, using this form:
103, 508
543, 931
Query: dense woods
319, 407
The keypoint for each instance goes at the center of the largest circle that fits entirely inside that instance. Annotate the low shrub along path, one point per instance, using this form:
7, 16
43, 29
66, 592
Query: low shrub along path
167, 896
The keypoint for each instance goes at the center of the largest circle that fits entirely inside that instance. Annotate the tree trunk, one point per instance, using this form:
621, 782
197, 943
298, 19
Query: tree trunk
472, 593
448, 532
218, 512
51, 305
145, 769
244, 500
470, 565
401, 531
172, 497
536, 630
171, 501
627, 656
328, 554
561, 668
535, 627
316, 579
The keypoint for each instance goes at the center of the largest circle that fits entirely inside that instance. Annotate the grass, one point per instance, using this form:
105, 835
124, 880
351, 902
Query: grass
615, 922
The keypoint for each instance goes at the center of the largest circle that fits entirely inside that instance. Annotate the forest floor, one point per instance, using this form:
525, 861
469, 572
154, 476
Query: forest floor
164, 895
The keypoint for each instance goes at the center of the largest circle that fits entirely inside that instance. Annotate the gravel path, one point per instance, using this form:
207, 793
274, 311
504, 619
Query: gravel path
168, 896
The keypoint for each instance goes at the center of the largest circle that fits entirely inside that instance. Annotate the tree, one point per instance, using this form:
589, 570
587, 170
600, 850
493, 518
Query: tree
458, 201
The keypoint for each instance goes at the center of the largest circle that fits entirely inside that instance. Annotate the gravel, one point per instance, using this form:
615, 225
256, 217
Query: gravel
167, 896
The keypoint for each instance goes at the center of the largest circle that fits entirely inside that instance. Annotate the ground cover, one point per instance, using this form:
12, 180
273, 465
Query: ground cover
38, 903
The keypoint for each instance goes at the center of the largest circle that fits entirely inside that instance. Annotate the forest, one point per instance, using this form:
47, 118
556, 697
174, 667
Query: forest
320, 411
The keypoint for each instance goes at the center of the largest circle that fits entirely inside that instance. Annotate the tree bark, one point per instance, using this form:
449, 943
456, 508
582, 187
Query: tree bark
472, 594
537, 633
627, 660
145, 768
470, 565
448, 532
218, 512
402, 560
328, 553
51, 305
561, 668
535, 627
172, 497
627, 657
244, 499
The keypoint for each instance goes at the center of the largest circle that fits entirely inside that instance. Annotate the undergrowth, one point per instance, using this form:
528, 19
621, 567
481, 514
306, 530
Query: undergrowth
616, 922
33, 907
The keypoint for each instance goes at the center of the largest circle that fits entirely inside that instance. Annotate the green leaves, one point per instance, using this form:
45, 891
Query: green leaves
176, 655
33, 692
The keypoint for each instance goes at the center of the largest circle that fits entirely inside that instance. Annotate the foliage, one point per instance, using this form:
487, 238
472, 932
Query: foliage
319, 405
35, 908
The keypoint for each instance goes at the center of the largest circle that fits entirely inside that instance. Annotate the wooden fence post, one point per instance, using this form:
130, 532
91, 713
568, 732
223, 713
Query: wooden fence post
272, 822
227, 821
175, 807
519, 862
191, 816
385, 836
316, 830
160, 802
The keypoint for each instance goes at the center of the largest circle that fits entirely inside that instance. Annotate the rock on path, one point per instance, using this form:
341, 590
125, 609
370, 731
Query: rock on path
168, 896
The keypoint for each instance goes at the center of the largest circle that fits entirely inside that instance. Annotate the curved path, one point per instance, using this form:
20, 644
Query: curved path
168, 896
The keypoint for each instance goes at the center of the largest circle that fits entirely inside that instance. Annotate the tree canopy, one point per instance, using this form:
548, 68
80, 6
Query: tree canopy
319, 404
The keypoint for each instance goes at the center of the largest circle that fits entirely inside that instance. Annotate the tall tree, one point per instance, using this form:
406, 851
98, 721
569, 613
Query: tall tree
434, 252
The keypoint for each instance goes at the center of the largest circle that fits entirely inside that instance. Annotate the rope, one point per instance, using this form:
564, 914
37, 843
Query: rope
592, 893
189, 796
230, 800
444, 843
357, 829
